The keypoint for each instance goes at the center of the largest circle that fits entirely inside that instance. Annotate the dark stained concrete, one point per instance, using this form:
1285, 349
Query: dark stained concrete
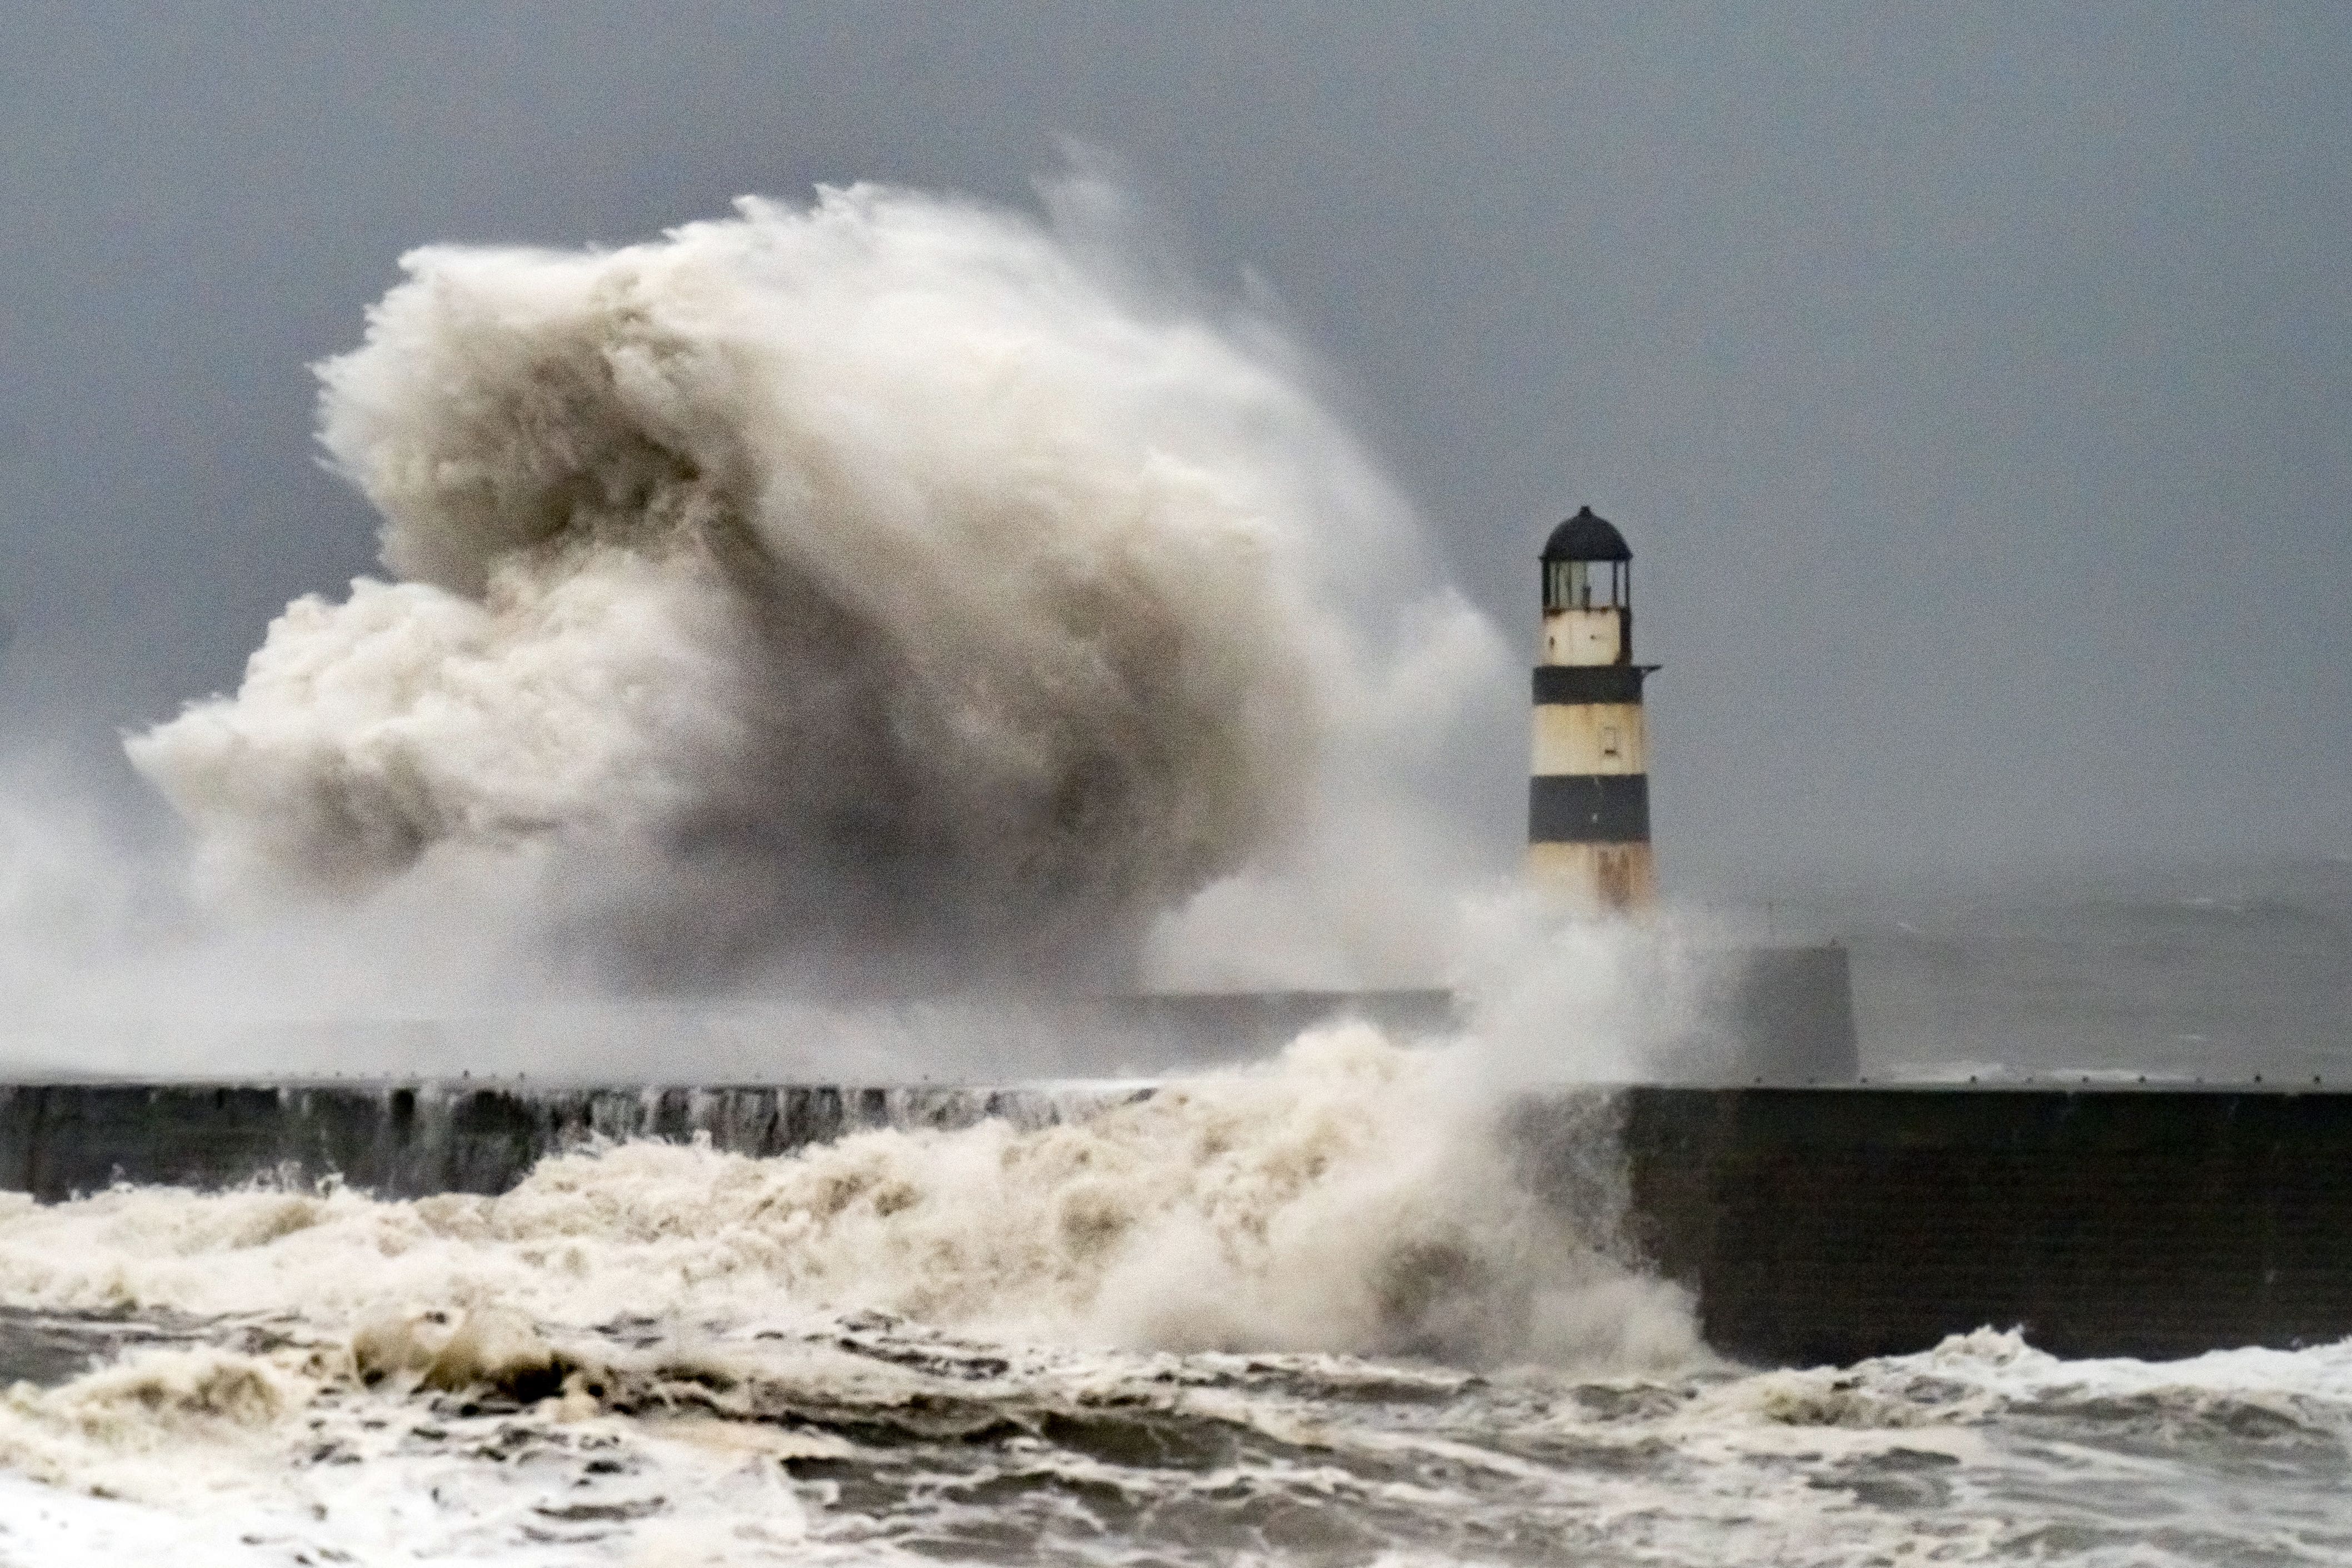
409, 1140
1827, 1225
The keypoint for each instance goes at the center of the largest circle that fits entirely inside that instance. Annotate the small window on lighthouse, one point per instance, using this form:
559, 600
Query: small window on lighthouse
1609, 739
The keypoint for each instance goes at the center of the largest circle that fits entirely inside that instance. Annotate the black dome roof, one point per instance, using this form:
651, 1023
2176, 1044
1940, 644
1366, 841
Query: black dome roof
1587, 536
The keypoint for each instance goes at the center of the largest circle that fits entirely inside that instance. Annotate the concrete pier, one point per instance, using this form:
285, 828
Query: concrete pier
1828, 1225
1817, 1225
410, 1140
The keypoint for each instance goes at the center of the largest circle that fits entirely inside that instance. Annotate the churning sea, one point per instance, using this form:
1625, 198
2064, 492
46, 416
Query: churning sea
1293, 1315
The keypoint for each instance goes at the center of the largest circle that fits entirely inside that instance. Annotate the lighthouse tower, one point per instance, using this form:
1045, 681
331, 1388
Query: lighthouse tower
1589, 799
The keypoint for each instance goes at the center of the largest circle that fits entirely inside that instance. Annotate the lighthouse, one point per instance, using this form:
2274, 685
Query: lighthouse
1589, 796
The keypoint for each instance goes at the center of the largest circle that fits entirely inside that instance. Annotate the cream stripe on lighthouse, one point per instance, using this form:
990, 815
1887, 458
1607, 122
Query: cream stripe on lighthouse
1590, 738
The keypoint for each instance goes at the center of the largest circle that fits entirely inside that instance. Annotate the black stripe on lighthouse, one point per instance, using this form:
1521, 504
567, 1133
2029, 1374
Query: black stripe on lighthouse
1560, 684
1589, 808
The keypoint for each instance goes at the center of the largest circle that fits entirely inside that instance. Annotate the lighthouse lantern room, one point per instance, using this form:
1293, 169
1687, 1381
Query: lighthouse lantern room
1589, 794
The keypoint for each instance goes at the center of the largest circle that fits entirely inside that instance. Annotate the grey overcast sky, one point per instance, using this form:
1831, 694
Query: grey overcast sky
1971, 381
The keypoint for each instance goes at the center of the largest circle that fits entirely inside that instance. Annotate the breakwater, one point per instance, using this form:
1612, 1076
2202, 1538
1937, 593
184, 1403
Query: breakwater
413, 1140
1819, 1225
1832, 1224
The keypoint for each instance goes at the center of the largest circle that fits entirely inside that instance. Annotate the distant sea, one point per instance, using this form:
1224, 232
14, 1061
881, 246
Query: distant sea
2218, 972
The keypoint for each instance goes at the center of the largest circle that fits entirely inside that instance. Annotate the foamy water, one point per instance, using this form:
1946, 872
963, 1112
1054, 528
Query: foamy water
1298, 1314
866, 1438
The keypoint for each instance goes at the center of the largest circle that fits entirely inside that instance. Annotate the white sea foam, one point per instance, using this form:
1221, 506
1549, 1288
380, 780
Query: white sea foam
1125, 1339
862, 1440
1225, 1322
1353, 1198
659, 1333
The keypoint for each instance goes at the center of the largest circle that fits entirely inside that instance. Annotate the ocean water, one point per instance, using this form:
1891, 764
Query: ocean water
870, 1439
1298, 1314
2217, 971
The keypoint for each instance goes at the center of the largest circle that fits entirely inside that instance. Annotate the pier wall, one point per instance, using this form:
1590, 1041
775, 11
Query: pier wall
1816, 1225
412, 1140
1828, 1225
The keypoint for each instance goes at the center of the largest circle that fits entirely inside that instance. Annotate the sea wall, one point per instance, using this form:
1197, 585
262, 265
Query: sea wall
1828, 1225
410, 1140
1812, 1224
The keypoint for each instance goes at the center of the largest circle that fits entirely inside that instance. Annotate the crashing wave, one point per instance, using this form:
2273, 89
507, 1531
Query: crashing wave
874, 573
